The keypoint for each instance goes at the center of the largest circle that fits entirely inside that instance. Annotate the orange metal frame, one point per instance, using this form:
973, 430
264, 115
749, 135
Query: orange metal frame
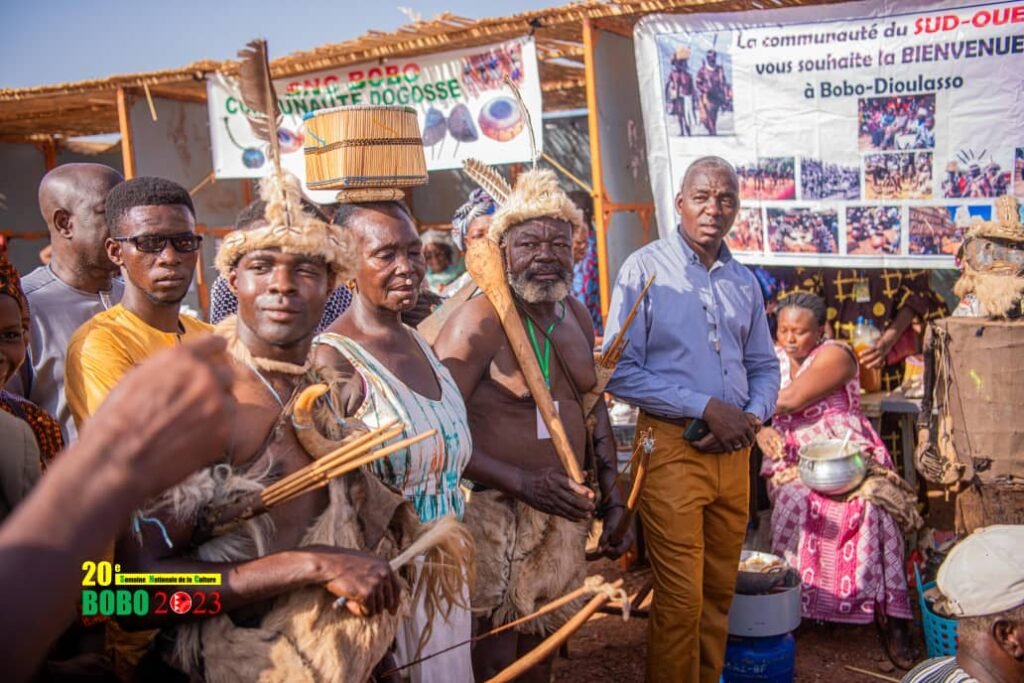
124, 122
604, 206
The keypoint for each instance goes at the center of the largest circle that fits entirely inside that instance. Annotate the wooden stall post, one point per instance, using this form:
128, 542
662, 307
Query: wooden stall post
49, 149
600, 219
204, 290
124, 122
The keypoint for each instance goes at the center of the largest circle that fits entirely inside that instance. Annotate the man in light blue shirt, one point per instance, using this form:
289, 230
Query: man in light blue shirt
700, 365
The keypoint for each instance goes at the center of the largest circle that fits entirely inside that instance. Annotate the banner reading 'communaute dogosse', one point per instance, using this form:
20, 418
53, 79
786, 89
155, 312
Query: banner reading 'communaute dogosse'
868, 133
464, 108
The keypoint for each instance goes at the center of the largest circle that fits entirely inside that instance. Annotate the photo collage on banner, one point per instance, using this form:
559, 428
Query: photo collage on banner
869, 133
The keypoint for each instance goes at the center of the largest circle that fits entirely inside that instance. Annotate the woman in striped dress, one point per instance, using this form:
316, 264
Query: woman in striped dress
383, 370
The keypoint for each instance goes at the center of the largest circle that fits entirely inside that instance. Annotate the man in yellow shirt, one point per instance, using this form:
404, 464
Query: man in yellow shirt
153, 241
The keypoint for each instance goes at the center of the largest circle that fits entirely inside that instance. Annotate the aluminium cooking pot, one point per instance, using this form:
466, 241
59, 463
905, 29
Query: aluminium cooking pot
823, 468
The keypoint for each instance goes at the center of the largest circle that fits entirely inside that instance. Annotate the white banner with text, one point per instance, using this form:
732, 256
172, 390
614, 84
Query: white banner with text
465, 109
864, 134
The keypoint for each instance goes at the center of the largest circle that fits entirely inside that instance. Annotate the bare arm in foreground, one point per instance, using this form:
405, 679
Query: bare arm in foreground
366, 581
167, 418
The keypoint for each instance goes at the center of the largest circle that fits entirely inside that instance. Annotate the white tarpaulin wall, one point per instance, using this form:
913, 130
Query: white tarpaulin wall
867, 134
464, 108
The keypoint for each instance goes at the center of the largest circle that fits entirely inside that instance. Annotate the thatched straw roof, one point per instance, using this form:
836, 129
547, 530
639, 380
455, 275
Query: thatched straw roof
90, 107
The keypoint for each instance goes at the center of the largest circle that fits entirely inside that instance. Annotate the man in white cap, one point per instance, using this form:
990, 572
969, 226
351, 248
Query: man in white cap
982, 584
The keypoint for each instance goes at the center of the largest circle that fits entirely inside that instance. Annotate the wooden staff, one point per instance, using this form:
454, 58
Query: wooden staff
638, 486
610, 357
645, 448
590, 585
484, 263
555, 640
605, 366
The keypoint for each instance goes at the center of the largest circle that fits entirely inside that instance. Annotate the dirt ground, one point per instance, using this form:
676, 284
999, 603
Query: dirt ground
608, 649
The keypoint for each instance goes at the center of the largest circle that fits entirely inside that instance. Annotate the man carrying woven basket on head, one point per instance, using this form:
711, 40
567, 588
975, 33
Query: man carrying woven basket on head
529, 519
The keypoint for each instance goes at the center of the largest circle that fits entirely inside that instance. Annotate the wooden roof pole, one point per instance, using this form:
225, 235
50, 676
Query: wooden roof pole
49, 149
124, 122
598, 194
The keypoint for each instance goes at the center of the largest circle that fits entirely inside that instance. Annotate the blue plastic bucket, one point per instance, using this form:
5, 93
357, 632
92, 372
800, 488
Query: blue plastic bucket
939, 631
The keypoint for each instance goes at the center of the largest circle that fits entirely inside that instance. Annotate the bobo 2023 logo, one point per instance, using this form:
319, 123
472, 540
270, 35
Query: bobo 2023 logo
108, 592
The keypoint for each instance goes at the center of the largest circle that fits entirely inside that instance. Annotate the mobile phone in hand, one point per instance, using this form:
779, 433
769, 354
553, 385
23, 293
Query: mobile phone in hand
696, 430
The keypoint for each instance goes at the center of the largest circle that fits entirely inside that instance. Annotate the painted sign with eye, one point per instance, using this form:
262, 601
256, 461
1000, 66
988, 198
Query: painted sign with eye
502, 119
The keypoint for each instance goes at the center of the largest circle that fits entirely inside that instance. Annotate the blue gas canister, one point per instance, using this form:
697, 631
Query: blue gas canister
760, 660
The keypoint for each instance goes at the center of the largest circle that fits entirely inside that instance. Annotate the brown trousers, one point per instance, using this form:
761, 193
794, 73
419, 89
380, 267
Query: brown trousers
694, 514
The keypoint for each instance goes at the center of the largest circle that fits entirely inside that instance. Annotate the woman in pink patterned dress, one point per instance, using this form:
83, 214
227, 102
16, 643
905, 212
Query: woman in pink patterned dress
849, 553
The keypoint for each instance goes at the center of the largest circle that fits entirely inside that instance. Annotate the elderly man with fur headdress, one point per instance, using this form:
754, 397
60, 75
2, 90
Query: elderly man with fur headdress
528, 518
971, 441
274, 616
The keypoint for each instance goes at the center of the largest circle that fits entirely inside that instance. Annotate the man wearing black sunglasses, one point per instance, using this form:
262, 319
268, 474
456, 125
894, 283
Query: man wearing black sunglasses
153, 241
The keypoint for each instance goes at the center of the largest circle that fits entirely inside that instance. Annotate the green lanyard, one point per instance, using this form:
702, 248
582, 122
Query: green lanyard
545, 360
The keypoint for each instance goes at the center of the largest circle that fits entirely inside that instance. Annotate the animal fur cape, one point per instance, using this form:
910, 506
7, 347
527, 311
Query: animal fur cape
303, 637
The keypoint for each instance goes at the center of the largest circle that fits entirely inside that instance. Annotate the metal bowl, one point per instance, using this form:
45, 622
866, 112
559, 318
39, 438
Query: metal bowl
756, 583
825, 470
768, 614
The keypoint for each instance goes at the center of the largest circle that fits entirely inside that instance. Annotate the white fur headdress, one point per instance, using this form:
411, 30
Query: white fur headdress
536, 194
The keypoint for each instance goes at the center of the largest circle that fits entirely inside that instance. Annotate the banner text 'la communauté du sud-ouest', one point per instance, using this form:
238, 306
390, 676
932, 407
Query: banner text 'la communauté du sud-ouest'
465, 109
864, 134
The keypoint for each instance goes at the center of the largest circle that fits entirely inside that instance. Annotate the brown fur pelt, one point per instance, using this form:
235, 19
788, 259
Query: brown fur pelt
997, 294
524, 559
303, 637
449, 567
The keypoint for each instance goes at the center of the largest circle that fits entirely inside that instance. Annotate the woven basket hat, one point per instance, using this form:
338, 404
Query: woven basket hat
367, 153
1006, 226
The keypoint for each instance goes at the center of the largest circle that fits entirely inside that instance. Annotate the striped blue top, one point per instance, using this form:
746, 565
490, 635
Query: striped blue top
427, 473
